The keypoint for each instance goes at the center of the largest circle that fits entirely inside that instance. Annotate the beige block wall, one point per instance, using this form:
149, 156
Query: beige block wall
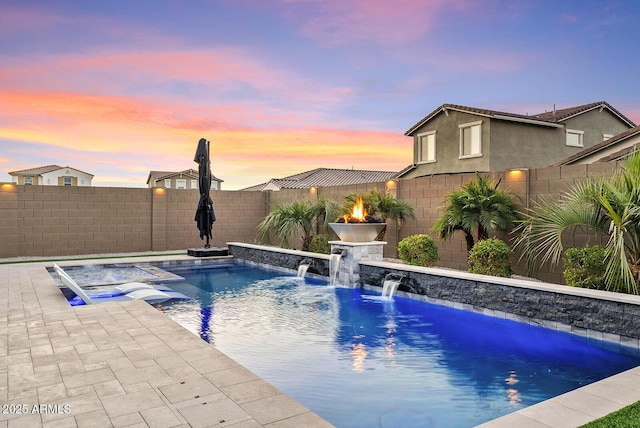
9, 214
52, 221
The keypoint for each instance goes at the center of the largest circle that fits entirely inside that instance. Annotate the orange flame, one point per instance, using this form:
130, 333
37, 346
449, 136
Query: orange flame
358, 213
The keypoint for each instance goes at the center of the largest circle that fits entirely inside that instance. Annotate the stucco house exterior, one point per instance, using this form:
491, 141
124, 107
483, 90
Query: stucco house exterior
187, 179
52, 175
454, 138
613, 149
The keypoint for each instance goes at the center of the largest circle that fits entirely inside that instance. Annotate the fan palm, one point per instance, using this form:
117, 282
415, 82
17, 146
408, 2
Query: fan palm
477, 207
608, 205
299, 218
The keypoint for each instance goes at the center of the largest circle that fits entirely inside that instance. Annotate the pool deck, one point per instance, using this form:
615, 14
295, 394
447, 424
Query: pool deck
125, 364
119, 364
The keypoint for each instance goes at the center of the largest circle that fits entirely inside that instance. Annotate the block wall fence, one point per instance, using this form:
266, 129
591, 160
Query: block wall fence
46, 221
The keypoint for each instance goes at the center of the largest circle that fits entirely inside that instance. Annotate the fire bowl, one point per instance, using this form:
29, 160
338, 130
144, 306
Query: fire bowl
357, 232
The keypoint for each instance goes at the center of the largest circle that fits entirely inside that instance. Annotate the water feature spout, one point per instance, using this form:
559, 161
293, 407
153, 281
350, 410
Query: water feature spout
390, 285
334, 262
303, 267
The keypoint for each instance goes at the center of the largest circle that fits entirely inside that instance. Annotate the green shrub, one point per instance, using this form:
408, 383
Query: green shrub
490, 257
418, 250
585, 267
320, 244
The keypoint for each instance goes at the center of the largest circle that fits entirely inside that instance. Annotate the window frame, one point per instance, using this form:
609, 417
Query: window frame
577, 132
167, 183
462, 128
427, 134
67, 181
181, 183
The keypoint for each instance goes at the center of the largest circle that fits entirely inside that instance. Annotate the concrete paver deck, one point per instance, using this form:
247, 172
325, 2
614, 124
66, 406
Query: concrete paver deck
119, 364
125, 364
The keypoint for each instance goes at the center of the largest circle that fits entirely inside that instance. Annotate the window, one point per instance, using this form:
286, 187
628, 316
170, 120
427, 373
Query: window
194, 184
66, 181
167, 183
181, 184
574, 138
471, 139
28, 181
214, 185
427, 147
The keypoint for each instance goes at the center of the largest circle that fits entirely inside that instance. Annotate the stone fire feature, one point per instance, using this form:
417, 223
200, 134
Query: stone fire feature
352, 254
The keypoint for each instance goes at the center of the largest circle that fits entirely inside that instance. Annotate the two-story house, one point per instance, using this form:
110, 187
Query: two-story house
52, 175
187, 179
453, 138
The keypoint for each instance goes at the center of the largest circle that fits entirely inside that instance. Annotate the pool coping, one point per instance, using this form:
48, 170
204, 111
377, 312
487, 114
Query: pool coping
67, 363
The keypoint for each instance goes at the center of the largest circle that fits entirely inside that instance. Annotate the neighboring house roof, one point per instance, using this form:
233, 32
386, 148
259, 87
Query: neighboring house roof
608, 150
323, 177
567, 113
44, 170
187, 173
552, 119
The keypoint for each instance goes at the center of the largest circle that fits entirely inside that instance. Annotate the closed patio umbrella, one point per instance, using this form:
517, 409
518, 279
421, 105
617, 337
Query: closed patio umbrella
205, 215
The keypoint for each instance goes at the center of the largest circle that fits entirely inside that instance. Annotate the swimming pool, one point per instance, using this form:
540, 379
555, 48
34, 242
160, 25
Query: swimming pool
357, 360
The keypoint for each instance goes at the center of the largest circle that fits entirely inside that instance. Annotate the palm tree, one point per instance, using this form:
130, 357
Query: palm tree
608, 205
295, 219
477, 207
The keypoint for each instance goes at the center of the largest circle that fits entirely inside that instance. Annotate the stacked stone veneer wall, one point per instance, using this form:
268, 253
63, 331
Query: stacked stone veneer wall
597, 314
53, 221
288, 259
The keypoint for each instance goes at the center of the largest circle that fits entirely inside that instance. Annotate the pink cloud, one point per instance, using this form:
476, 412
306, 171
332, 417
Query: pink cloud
17, 18
373, 21
206, 74
41, 19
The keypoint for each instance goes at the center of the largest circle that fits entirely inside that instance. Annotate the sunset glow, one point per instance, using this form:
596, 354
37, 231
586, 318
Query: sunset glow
119, 89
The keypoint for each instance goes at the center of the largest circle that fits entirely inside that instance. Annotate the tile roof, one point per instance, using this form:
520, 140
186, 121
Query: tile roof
567, 113
610, 142
43, 170
552, 118
188, 173
323, 177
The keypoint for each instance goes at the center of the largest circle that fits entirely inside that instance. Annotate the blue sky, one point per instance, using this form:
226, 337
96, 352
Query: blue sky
120, 88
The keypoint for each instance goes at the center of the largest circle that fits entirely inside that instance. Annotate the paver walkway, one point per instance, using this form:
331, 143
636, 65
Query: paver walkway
119, 364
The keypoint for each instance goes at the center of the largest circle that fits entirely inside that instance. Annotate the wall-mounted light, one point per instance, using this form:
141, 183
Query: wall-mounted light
159, 190
390, 185
517, 173
521, 174
313, 191
7, 187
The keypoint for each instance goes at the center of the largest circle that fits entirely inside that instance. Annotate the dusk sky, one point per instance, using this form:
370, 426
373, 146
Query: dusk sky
122, 87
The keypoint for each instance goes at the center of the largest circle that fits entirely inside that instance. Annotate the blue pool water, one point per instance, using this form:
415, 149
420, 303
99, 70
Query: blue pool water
357, 360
